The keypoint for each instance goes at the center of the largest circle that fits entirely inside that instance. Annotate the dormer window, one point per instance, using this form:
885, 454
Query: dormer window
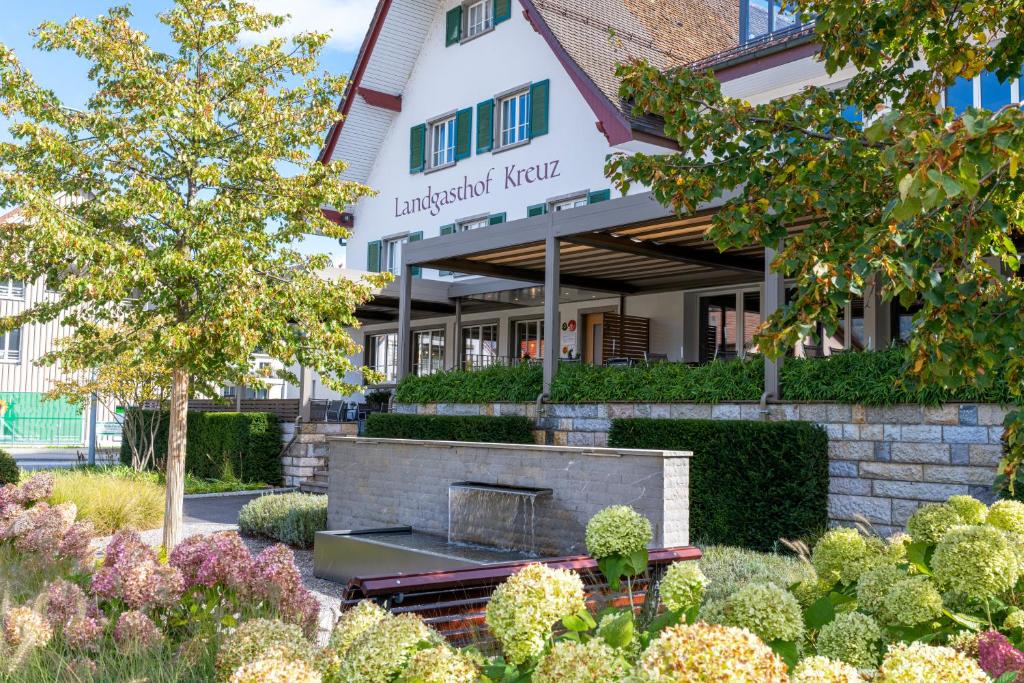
761, 19
479, 18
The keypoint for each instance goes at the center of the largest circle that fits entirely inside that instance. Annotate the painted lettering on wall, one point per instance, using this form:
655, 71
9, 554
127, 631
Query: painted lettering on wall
515, 176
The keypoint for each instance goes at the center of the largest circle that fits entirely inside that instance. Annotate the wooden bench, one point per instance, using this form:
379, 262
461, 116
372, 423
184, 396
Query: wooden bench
455, 602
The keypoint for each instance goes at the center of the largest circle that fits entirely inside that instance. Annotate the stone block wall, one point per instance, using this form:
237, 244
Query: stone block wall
308, 449
884, 462
378, 483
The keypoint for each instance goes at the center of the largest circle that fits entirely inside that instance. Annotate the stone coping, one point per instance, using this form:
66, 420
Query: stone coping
597, 452
698, 403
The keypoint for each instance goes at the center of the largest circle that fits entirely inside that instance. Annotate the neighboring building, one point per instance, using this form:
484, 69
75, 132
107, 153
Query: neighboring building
484, 126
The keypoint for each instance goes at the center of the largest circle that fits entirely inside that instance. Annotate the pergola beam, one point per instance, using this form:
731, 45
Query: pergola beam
460, 265
668, 252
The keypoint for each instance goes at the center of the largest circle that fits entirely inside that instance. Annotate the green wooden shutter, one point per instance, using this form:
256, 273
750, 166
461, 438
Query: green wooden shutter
415, 237
463, 133
539, 105
599, 196
446, 230
496, 218
536, 210
502, 11
485, 126
453, 26
417, 148
373, 256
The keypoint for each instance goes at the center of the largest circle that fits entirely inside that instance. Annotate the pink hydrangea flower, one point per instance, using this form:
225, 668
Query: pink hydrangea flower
997, 655
278, 581
134, 630
64, 602
132, 573
219, 558
76, 542
36, 488
85, 633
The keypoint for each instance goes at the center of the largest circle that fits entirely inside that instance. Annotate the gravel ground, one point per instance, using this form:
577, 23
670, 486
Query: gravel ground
207, 515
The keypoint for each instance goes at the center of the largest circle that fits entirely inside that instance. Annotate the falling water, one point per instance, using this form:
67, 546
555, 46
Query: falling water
496, 516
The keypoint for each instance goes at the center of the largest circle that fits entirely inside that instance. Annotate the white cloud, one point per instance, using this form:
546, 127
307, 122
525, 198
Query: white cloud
345, 20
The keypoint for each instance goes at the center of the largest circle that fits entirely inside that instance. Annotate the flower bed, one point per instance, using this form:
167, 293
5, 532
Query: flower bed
941, 605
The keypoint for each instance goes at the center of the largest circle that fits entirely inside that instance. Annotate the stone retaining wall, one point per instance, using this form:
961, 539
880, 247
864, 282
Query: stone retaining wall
378, 483
308, 451
884, 462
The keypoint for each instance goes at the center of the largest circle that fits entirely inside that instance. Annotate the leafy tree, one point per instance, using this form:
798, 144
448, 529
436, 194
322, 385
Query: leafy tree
123, 385
917, 200
169, 205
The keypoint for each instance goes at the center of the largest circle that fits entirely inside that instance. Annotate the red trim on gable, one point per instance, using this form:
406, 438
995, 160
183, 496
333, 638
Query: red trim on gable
376, 24
612, 122
344, 219
376, 98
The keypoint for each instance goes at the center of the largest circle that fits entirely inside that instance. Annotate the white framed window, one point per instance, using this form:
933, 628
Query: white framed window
427, 351
391, 255
472, 224
985, 91
566, 203
381, 353
514, 118
12, 289
10, 347
442, 142
479, 345
479, 18
528, 339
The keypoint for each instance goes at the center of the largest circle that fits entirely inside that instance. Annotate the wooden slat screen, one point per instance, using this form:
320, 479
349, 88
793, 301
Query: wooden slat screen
629, 340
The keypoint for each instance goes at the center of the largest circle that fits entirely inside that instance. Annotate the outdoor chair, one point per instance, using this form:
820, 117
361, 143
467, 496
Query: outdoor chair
619, 362
335, 409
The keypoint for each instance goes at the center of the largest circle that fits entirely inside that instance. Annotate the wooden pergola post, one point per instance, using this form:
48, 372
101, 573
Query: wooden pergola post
552, 287
774, 296
404, 320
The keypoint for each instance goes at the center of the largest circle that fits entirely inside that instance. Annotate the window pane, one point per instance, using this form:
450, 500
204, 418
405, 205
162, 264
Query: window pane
751, 320
960, 95
757, 18
785, 16
857, 340
852, 114
994, 94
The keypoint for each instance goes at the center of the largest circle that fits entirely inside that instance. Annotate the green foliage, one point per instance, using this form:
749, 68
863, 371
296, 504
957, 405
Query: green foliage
292, 518
517, 384
9, 472
109, 501
660, 382
751, 483
729, 568
874, 379
225, 446
482, 428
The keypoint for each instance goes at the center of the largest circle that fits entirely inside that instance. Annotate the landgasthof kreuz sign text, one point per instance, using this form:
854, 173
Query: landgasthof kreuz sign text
515, 175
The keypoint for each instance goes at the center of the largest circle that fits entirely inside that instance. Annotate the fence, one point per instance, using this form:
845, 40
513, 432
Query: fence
29, 419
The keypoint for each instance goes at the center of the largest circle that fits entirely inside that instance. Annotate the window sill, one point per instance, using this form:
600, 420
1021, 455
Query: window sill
432, 169
473, 37
514, 145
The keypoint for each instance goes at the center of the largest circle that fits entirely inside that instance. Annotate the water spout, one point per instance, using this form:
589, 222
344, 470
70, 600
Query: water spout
492, 515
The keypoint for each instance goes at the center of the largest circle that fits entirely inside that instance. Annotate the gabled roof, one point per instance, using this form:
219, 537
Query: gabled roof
587, 36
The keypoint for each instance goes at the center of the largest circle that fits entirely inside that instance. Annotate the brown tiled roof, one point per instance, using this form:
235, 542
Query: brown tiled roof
598, 34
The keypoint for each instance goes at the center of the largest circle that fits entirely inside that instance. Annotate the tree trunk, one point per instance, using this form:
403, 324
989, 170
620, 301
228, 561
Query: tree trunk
176, 436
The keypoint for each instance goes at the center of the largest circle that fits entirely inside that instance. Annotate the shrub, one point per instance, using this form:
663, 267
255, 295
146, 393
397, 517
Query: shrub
519, 384
109, 501
751, 483
741, 380
225, 446
728, 568
480, 428
292, 518
9, 472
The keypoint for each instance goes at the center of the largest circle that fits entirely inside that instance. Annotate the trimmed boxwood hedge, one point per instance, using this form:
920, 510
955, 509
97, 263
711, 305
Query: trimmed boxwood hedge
221, 445
872, 378
481, 428
751, 483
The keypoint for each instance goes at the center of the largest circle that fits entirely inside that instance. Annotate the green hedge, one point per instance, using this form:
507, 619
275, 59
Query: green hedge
751, 483
866, 378
224, 445
482, 428
660, 382
9, 471
519, 384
